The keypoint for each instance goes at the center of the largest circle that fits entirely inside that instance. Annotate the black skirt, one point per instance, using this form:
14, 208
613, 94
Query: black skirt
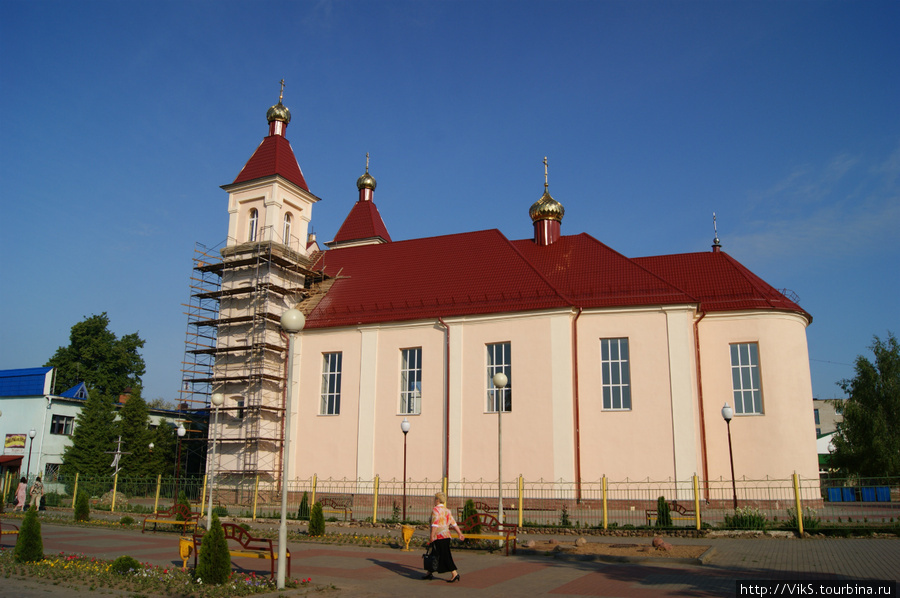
445, 559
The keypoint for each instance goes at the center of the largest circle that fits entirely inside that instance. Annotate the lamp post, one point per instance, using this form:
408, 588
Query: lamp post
727, 414
180, 431
292, 322
31, 435
500, 381
217, 399
404, 426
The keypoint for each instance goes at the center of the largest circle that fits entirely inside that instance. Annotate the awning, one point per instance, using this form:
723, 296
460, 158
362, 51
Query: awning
10, 459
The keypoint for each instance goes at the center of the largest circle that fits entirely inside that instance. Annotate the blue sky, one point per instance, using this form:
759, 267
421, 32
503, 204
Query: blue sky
120, 120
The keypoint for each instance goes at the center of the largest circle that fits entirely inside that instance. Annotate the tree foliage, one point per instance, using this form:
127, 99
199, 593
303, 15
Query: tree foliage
106, 364
29, 545
214, 564
133, 427
92, 439
867, 442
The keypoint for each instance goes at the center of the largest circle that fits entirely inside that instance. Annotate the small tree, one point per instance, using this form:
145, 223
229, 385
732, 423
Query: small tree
663, 516
303, 513
469, 510
317, 521
214, 566
182, 500
29, 544
82, 507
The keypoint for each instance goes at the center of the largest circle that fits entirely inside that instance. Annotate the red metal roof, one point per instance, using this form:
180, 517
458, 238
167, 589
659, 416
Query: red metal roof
719, 282
273, 156
483, 273
363, 222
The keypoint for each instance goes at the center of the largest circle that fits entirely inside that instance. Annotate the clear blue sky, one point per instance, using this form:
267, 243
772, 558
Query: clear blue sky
120, 120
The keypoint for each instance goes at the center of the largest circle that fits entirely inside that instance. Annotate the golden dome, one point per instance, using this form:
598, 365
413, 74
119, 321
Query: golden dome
366, 181
278, 112
546, 208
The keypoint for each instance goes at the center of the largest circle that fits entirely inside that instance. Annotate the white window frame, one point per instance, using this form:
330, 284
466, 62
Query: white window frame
746, 380
331, 384
67, 422
254, 223
286, 229
499, 359
615, 367
411, 381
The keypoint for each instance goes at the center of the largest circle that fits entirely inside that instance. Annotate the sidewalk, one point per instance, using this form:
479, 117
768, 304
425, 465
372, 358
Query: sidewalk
382, 572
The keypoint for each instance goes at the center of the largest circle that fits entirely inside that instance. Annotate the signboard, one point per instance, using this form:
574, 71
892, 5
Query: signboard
14, 444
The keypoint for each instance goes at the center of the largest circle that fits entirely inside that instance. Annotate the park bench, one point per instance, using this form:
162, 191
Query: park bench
676, 511
170, 517
338, 504
489, 528
250, 547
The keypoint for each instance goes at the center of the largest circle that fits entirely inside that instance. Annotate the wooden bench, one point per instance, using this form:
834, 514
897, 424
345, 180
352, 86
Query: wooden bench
250, 547
169, 517
489, 528
337, 504
677, 512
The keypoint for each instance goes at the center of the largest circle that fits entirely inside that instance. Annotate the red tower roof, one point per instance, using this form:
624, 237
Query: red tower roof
363, 222
273, 156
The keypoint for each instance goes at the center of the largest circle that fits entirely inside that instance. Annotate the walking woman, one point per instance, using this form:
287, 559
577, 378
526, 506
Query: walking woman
21, 490
441, 522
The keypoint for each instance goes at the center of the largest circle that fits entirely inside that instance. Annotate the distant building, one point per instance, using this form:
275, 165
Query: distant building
28, 403
827, 413
617, 366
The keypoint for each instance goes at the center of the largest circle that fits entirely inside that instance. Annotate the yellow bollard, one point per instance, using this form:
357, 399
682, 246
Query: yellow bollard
797, 503
521, 499
315, 480
605, 511
203, 496
75, 491
255, 496
112, 506
375, 502
156, 500
697, 501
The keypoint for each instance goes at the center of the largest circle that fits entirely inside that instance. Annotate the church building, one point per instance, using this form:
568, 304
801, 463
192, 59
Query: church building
615, 366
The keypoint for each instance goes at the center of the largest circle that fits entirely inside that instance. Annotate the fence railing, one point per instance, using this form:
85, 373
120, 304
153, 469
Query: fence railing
847, 502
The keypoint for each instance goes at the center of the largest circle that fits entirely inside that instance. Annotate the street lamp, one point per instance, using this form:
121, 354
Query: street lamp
727, 414
292, 322
500, 381
180, 431
217, 399
31, 435
404, 426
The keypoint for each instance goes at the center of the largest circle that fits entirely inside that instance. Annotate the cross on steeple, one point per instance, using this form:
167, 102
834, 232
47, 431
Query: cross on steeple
281, 95
367, 162
546, 179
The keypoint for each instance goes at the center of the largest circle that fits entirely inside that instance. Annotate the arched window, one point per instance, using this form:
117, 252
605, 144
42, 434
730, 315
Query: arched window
287, 229
254, 221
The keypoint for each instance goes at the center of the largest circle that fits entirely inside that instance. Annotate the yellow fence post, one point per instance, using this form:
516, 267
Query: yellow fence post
315, 481
112, 505
444, 484
203, 495
158, 484
255, 496
75, 491
605, 510
521, 499
375, 502
696, 501
797, 503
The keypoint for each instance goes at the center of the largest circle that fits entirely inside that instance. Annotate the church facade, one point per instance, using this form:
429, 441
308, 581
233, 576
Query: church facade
616, 366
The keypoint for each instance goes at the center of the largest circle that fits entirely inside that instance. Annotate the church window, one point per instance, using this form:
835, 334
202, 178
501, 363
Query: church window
286, 238
331, 384
254, 222
745, 378
616, 371
499, 359
411, 381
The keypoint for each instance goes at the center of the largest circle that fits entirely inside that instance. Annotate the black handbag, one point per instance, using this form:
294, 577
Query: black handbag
430, 560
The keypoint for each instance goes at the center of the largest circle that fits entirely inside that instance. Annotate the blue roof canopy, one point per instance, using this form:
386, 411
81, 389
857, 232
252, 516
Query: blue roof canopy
25, 382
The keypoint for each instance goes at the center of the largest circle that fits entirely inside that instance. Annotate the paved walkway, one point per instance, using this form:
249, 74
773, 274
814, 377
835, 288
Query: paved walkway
382, 572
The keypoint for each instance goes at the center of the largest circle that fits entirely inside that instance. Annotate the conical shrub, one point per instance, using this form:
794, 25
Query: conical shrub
317, 521
82, 507
214, 566
29, 544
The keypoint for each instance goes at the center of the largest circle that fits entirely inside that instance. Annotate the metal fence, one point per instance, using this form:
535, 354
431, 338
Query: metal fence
827, 502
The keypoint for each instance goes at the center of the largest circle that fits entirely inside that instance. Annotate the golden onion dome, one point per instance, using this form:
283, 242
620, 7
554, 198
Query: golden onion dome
366, 181
546, 208
278, 112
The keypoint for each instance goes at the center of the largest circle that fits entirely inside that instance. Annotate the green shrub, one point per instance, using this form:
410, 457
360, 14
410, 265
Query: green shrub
317, 521
663, 515
125, 564
182, 500
52, 499
303, 513
564, 517
126, 520
811, 521
220, 511
469, 510
746, 518
29, 545
214, 566
82, 508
